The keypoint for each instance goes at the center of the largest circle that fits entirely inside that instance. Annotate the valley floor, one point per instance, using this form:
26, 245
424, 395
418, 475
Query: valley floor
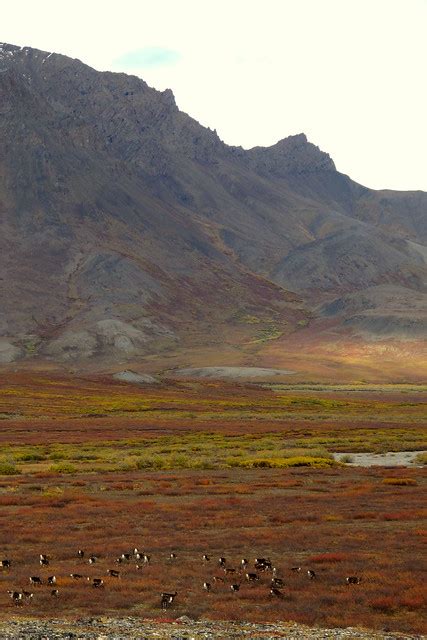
194, 468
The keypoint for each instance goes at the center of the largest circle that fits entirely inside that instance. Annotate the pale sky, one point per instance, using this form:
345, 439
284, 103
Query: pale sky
351, 74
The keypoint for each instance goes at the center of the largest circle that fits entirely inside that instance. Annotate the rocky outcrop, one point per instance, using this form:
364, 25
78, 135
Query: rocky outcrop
290, 155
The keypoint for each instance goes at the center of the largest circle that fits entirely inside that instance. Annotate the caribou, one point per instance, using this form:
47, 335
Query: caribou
252, 577
113, 573
167, 599
277, 582
97, 583
16, 596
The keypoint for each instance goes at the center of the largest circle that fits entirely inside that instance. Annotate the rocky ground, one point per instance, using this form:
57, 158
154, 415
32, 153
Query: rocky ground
182, 629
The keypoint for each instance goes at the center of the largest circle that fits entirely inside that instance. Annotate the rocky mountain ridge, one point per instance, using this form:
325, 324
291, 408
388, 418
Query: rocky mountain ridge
128, 229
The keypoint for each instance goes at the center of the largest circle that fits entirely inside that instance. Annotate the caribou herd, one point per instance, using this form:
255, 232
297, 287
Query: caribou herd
262, 570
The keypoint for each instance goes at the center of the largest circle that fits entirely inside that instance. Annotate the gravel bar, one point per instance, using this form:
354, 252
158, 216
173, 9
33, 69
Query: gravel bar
181, 629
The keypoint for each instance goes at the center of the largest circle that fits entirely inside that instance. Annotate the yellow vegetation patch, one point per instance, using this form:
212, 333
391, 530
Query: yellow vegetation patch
400, 482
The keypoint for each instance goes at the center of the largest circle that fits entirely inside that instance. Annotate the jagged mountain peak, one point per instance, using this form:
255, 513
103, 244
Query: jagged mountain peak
77, 84
294, 154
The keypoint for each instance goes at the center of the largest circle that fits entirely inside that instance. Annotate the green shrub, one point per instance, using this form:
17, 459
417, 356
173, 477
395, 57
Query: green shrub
153, 462
202, 463
58, 455
8, 469
64, 467
421, 458
126, 466
178, 461
29, 457
281, 463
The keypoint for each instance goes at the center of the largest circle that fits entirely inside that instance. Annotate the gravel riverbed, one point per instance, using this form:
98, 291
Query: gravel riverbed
181, 629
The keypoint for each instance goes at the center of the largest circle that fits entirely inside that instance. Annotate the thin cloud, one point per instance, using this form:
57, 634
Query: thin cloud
146, 58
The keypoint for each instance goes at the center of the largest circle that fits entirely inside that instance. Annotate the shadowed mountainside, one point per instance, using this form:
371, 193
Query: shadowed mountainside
128, 229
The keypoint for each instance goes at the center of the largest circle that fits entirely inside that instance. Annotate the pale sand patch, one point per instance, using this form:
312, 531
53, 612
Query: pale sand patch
231, 372
135, 378
389, 459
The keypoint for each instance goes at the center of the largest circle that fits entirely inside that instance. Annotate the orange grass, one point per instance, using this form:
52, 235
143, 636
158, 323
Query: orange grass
190, 513
338, 521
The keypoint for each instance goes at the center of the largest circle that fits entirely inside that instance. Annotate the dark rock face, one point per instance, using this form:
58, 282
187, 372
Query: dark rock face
128, 228
293, 155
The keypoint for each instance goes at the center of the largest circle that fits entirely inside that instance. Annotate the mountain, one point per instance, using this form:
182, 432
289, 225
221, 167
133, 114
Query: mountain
128, 230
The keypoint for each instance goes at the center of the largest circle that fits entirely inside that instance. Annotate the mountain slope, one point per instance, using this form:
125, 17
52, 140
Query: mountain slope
129, 229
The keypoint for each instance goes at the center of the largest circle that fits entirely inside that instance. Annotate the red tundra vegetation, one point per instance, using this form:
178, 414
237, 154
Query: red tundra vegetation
334, 521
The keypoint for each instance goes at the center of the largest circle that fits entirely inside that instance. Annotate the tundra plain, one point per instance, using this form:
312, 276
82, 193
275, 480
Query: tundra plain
220, 468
